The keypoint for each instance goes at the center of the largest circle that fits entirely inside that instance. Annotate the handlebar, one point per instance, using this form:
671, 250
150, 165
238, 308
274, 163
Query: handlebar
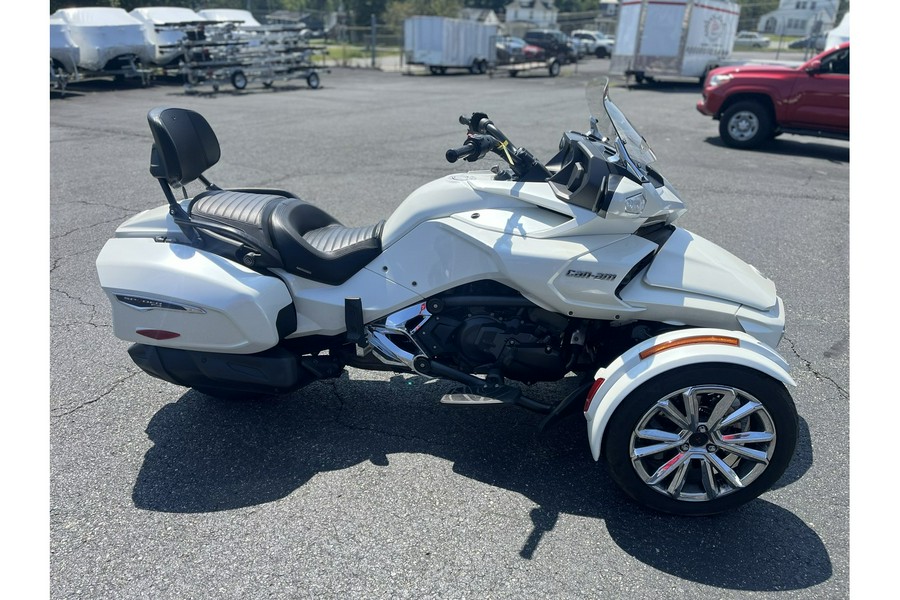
484, 137
454, 154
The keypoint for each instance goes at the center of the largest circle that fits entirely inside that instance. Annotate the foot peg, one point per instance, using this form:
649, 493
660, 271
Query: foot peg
465, 396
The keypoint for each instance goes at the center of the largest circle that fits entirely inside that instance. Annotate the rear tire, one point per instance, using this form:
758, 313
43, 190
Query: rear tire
312, 80
702, 439
745, 125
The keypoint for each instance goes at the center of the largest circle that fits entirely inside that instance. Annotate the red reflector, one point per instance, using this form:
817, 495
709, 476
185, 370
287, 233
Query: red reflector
158, 334
591, 392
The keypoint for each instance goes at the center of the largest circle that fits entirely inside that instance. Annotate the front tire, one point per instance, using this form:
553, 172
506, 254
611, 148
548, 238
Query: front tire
745, 125
702, 439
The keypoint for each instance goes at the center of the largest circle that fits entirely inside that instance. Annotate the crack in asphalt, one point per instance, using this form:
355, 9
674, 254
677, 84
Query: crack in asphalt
818, 375
94, 225
88, 305
110, 390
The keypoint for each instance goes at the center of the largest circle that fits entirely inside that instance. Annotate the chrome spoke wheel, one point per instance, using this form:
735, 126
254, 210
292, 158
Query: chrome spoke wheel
702, 442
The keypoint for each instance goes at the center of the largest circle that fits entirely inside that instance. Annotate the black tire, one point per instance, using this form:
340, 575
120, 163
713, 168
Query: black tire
312, 80
513, 73
239, 80
554, 68
746, 125
601, 52
761, 408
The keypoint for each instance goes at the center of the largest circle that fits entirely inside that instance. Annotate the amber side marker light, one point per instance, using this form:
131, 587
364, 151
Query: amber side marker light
689, 341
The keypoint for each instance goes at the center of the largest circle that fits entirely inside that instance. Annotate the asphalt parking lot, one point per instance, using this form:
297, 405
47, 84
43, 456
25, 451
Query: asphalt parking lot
368, 487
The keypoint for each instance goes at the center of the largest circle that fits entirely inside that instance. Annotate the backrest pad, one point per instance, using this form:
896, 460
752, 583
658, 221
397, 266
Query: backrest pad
184, 145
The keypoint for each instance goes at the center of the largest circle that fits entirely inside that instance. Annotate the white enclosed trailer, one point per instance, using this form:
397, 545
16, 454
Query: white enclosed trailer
673, 38
839, 34
442, 43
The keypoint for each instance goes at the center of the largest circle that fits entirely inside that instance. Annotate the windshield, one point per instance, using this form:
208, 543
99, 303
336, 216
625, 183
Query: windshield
611, 123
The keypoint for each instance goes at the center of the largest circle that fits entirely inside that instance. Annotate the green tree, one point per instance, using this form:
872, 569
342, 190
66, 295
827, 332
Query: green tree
399, 10
752, 10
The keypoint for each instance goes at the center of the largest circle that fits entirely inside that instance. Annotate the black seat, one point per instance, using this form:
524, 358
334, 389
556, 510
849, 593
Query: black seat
281, 230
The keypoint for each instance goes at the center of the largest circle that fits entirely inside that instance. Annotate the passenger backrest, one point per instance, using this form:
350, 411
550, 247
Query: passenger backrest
184, 145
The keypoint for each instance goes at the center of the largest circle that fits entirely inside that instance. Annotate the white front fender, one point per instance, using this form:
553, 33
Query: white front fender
670, 351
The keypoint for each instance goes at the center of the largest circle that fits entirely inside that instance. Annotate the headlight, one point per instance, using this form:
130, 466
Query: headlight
717, 80
635, 204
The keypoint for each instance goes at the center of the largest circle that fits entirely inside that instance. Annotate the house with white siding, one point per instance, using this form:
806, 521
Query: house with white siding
800, 17
540, 14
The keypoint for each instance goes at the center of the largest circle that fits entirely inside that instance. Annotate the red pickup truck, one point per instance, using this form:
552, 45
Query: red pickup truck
754, 103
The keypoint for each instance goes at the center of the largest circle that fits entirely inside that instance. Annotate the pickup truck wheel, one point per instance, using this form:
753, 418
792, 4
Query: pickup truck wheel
745, 125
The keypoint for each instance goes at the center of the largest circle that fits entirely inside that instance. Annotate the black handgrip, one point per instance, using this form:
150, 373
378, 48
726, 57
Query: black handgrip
454, 154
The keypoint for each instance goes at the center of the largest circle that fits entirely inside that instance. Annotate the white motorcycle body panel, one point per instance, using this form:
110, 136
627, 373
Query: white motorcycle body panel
558, 255
623, 375
214, 304
690, 263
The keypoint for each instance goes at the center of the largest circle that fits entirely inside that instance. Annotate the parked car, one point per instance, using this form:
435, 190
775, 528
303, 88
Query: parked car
596, 43
754, 103
582, 47
816, 42
554, 42
511, 49
751, 39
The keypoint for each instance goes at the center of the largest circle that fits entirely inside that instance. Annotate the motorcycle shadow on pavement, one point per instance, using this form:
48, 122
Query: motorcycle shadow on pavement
211, 455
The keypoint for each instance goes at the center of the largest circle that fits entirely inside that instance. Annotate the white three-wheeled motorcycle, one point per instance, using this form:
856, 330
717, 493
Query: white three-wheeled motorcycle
494, 279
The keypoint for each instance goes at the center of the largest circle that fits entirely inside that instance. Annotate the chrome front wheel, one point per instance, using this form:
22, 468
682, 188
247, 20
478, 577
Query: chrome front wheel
701, 440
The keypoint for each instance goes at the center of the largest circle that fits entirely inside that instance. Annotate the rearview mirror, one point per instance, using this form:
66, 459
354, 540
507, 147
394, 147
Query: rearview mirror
814, 67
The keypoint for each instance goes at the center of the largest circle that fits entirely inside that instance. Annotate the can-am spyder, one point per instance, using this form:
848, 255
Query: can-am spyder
526, 273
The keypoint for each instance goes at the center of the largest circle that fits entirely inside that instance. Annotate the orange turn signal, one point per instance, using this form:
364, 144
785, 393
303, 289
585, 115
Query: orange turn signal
689, 341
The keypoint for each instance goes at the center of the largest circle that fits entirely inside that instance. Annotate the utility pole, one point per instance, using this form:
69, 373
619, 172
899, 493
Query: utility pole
373, 40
